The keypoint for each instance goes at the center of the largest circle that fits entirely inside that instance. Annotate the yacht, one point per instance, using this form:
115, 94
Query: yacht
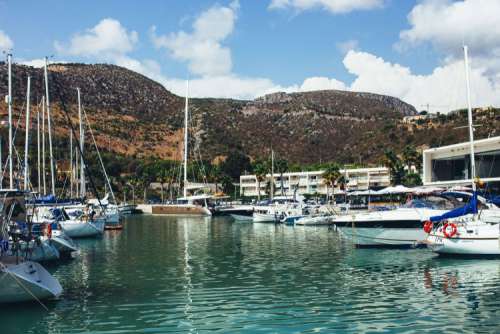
400, 227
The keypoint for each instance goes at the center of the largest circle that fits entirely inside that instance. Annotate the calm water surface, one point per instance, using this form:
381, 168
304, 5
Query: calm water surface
162, 275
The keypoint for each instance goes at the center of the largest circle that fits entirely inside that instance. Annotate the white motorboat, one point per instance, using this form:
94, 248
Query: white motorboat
26, 281
400, 227
315, 220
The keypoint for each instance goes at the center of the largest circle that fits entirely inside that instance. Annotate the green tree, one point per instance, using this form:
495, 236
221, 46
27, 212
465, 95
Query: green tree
411, 157
260, 169
395, 165
236, 164
330, 176
281, 166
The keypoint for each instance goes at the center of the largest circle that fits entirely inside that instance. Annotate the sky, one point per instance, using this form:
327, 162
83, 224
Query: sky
410, 49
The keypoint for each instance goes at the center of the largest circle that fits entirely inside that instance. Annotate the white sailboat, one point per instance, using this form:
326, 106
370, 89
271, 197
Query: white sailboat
187, 205
26, 281
466, 231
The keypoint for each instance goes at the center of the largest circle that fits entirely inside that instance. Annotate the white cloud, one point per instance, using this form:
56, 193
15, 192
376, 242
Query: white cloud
106, 40
202, 49
39, 62
445, 86
448, 24
5, 42
333, 6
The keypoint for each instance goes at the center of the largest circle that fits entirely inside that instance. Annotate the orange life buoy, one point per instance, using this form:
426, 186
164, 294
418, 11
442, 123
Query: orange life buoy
428, 226
452, 232
49, 230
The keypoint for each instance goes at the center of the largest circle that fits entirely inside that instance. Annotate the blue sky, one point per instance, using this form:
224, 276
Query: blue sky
406, 48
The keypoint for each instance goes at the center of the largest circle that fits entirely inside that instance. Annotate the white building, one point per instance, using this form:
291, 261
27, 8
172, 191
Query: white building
313, 183
450, 165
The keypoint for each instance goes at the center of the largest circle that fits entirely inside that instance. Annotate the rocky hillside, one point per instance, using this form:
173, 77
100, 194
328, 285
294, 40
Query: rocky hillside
136, 116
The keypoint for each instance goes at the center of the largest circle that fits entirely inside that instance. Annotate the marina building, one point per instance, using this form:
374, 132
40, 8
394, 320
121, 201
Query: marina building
450, 165
313, 183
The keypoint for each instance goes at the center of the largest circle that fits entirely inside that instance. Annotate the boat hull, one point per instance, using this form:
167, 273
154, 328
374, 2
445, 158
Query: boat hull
63, 243
22, 282
241, 217
380, 237
472, 239
314, 221
181, 210
265, 218
82, 229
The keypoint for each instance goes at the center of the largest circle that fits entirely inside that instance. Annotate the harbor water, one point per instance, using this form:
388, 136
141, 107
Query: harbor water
196, 275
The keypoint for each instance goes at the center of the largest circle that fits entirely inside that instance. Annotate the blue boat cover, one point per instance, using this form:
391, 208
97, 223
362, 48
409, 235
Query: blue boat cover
470, 207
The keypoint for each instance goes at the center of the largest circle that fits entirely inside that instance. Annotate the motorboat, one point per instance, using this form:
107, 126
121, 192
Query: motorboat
400, 227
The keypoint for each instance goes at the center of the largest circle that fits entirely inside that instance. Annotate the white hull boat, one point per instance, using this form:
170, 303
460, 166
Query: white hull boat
467, 237
25, 281
401, 227
315, 221
63, 242
241, 217
46, 251
82, 228
265, 217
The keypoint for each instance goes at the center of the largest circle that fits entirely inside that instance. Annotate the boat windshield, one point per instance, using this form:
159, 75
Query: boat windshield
433, 202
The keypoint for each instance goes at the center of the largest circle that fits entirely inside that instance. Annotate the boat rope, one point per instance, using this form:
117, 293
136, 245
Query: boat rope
99, 154
78, 145
7, 271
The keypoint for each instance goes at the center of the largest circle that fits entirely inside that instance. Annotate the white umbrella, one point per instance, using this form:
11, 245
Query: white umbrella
427, 190
399, 189
363, 193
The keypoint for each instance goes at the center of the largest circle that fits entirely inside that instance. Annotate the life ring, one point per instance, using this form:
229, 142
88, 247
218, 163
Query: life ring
452, 232
49, 230
428, 226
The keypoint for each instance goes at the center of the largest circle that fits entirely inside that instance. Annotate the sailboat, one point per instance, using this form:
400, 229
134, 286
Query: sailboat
466, 230
196, 205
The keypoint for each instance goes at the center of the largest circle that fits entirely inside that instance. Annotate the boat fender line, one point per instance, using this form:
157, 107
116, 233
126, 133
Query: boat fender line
428, 226
451, 233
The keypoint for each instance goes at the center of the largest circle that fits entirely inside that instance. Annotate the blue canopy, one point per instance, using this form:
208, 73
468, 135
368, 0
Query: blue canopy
470, 207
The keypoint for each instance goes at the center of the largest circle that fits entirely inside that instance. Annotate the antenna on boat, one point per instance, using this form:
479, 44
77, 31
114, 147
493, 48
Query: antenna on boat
186, 111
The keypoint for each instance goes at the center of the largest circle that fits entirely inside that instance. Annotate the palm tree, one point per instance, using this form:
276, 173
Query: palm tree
331, 175
260, 170
281, 166
411, 157
395, 165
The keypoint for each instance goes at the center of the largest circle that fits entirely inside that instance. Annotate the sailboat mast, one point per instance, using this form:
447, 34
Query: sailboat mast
51, 156
11, 174
38, 147
71, 179
43, 148
1, 164
27, 139
272, 175
82, 140
186, 109
469, 111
